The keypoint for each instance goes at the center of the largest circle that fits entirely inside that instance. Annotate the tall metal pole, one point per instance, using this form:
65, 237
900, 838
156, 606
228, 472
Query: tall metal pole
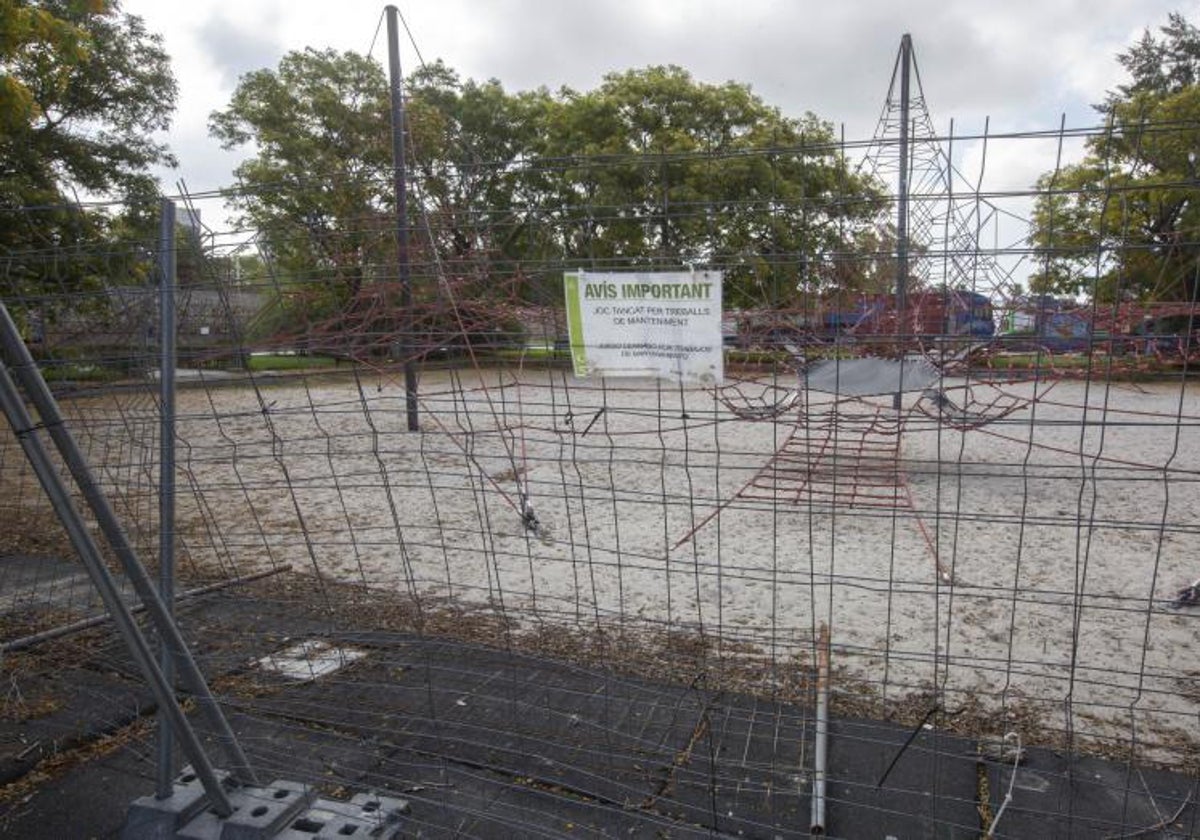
401, 191
902, 190
902, 202
166, 479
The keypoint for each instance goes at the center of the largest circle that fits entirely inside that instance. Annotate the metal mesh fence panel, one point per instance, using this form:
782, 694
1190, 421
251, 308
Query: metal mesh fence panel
993, 527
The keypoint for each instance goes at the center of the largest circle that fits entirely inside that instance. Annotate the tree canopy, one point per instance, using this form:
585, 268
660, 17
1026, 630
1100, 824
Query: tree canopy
1124, 223
651, 168
660, 168
317, 186
84, 88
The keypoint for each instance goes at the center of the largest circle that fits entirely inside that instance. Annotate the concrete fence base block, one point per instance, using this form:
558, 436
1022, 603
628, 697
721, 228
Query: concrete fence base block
282, 810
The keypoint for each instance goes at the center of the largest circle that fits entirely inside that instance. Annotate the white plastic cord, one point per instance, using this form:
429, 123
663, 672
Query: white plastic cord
1011, 781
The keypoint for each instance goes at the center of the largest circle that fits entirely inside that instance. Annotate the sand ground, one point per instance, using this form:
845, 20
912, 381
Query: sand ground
1028, 561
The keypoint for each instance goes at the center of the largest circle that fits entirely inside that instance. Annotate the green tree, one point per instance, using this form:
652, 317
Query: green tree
651, 168
319, 189
470, 142
658, 168
24, 29
316, 188
83, 90
1124, 223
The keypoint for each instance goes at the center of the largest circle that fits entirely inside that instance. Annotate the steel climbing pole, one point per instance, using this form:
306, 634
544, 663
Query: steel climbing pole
902, 203
400, 187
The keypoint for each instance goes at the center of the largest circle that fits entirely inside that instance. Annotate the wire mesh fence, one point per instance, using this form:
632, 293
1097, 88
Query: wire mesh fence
993, 523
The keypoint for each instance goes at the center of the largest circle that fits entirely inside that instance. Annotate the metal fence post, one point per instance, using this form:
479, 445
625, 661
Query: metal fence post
166, 480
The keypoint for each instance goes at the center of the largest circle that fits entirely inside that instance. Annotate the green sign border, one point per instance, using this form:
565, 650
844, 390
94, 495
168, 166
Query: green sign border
575, 324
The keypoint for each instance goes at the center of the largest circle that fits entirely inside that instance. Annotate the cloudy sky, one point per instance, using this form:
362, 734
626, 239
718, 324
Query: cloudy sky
1022, 63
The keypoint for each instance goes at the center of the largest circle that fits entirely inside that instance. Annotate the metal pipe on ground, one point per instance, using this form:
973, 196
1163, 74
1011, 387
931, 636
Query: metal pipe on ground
85, 623
821, 735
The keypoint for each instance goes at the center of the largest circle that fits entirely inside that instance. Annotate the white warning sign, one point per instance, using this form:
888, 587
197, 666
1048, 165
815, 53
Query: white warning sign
662, 324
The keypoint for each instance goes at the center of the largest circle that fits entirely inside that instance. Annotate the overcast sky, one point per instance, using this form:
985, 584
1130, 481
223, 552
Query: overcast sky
1023, 63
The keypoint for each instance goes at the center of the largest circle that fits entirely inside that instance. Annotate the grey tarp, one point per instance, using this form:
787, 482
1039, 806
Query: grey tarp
870, 377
